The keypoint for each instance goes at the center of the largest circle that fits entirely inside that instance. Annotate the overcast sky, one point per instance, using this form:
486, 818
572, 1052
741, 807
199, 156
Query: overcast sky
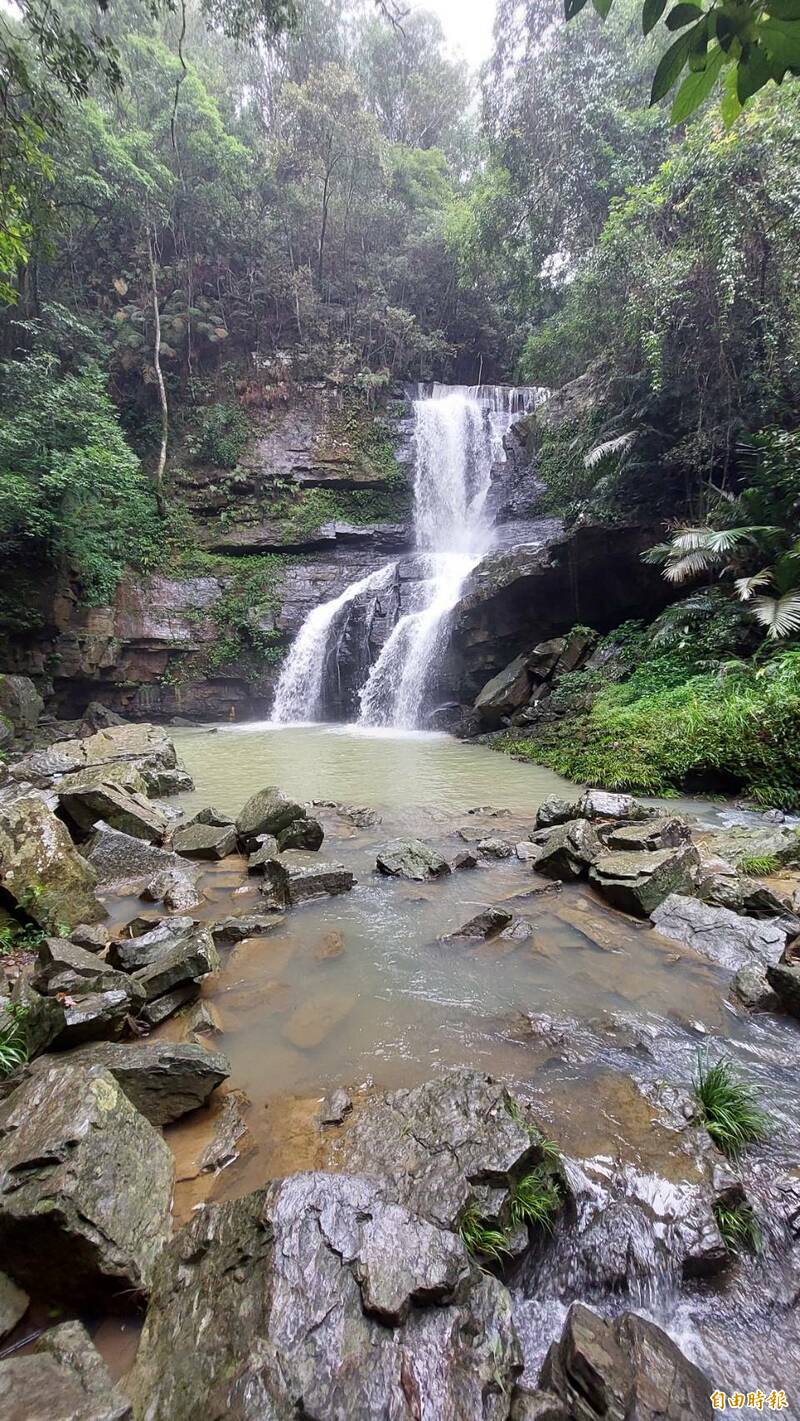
467, 25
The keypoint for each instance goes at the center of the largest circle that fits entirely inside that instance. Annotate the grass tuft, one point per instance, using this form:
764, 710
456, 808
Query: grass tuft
535, 1199
13, 1045
729, 1107
759, 865
739, 1227
481, 1238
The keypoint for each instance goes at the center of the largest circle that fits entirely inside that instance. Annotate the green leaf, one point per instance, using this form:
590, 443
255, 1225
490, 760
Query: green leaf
781, 38
670, 66
573, 8
752, 73
730, 106
602, 6
696, 87
681, 15
784, 9
652, 10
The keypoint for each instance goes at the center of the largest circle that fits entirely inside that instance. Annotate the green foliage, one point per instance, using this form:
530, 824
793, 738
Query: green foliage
20, 937
739, 1227
222, 435
535, 1199
729, 1107
481, 1238
759, 865
13, 1043
252, 594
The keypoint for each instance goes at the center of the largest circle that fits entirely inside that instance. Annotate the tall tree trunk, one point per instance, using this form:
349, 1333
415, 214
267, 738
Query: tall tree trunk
162, 393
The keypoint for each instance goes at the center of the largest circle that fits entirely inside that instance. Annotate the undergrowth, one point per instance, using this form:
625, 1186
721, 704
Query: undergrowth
729, 1107
13, 1044
759, 865
739, 1227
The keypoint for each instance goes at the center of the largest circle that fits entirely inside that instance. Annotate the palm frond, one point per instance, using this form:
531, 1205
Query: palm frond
609, 449
680, 569
746, 587
657, 555
716, 541
780, 615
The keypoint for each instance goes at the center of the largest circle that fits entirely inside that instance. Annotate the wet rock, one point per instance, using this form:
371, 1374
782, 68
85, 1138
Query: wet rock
175, 890
99, 717
267, 849
233, 930
62, 1378
163, 1079
784, 979
229, 1128
163, 783
20, 704
302, 834
773, 816
211, 815
623, 1368
125, 774
315, 1020
494, 849
665, 833
439, 1143
120, 861
85, 1182
742, 895
554, 811
537, 1406
41, 869
145, 746
185, 961
410, 858
204, 841
330, 948
37, 1019
129, 813
542, 661
751, 988
97, 1016
288, 882
726, 938
767, 842
13, 1307
326, 1302
599, 804
93, 937
203, 1021
267, 812
637, 883
484, 925
153, 1013
466, 859
150, 939
568, 851
334, 1107
64, 968
506, 692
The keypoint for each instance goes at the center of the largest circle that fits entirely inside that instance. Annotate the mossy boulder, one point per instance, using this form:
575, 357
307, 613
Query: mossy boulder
41, 869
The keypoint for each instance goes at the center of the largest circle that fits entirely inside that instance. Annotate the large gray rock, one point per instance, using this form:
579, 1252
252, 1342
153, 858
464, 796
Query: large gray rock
601, 804
122, 862
410, 858
506, 691
624, 1368
315, 1297
130, 953
146, 746
235, 929
568, 851
85, 1183
175, 890
726, 938
288, 882
302, 834
742, 895
98, 1016
638, 882
186, 960
163, 1079
41, 869
554, 811
485, 924
20, 704
64, 968
37, 1019
130, 813
666, 833
766, 842
267, 812
160, 784
751, 988
204, 841
62, 1378
784, 979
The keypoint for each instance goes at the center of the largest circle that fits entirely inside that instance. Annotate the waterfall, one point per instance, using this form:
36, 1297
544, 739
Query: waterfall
458, 436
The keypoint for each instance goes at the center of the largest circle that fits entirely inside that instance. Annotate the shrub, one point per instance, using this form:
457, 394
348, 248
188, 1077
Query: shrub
482, 1239
535, 1199
739, 1227
729, 1107
222, 435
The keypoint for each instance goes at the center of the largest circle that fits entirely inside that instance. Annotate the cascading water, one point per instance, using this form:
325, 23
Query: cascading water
458, 436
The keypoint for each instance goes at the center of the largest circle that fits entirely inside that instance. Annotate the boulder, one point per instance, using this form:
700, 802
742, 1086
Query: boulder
62, 1378
410, 858
725, 938
624, 1367
494, 849
554, 811
742, 895
652, 834
146, 746
185, 961
302, 834
211, 815
233, 930
144, 946
122, 862
287, 882
93, 937
267, 849
41, 869
204, 841
130, 813
64, 968
97, 1016
160, 784
37, 1019
100, 717
175, 890
751, 988
541, 662
568, 851
163, 1079
20, 704
229, 1127
125, 774
599, 804
13, 1307
506, 692
315, 1297
267, 812
638, 882
485, 924
784, 979
86, 1183
153, 1013
766, 842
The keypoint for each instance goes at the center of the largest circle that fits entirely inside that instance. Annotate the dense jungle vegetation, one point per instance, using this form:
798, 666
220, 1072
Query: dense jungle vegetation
205, 206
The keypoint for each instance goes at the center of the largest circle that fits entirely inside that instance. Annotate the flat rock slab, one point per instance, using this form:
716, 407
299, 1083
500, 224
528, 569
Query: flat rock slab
37, 853
568, 851
163, 1079
62, 1378
410, 858
316, 1297
728, 939
233, 930
62, 967
288, 882
143, 744
120, 859
485, 924
666, 833
129, 812
97, 1016
769, 841
85, 1183
638, 882
205, 841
